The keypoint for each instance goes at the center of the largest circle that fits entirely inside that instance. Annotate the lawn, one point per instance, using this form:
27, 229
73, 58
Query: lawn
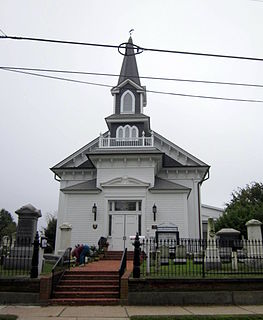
199, 317
192, 270
5, 273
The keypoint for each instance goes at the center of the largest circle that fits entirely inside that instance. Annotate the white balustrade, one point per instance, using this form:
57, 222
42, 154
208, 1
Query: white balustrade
108, 142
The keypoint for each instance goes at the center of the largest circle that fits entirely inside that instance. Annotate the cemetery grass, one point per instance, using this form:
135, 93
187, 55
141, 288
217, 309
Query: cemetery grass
199, 317
4, 273
192, 270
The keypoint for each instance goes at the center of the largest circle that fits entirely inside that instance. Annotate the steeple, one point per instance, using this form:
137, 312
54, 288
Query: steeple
129, 68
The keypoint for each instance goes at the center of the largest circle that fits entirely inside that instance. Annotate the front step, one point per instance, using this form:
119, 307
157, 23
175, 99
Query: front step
86, 294
117, 255
85, 287
85, 302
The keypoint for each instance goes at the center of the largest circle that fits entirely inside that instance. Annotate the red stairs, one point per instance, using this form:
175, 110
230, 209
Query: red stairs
87, 288
117, 255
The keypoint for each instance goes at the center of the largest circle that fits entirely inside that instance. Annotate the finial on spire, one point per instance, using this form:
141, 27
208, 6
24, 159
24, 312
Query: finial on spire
131, 31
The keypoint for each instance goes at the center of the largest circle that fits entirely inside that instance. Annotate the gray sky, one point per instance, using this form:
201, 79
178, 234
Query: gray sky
43, 121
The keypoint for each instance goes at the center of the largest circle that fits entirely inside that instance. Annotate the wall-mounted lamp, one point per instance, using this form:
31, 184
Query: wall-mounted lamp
94, 211
154, 212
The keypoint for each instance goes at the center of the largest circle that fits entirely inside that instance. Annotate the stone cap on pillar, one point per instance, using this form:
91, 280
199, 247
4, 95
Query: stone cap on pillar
65, 226
30, 210
253, 222
227, 231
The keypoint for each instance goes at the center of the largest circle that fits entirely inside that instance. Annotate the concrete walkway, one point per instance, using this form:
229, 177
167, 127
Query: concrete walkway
121, 312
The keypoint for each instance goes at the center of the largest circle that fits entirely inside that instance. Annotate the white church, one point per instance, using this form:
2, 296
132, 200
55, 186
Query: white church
129, 179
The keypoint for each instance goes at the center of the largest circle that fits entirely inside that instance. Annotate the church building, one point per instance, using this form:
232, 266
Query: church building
129, 179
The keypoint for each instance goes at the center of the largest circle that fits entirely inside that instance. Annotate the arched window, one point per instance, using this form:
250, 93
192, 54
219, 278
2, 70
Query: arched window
134, 132
127, 132
127, 102
119, 133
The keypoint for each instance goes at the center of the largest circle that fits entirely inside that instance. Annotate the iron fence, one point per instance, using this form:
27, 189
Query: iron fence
187, 258
15, 257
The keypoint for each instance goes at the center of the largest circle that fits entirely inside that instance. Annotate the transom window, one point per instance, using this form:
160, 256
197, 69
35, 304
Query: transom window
127, 132
127, 102
125, 205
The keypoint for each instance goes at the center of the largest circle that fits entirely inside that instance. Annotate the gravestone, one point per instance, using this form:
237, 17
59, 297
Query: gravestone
20, 256
212, 258
164, 255
180, 254
254, 243
229, 243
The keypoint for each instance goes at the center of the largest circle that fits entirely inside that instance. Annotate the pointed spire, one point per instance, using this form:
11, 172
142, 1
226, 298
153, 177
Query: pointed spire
129, 68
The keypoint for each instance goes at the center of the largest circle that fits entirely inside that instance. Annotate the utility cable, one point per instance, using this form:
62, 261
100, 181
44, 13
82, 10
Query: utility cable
133, 77
150, 91
137, 48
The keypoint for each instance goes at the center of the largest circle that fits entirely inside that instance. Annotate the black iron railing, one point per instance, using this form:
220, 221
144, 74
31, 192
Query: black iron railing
15, 257
60, 268
123, 266
200, 258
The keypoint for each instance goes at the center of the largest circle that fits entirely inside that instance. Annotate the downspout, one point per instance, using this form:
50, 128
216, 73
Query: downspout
199, 204
55, 177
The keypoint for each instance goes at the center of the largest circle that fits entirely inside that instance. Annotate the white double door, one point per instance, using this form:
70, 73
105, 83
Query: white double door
124, 226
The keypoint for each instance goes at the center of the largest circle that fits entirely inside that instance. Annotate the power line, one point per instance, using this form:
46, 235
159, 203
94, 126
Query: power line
133, 77
138, 48
150, 91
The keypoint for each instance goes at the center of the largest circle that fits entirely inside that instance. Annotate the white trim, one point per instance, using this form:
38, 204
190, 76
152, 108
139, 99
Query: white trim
133, 102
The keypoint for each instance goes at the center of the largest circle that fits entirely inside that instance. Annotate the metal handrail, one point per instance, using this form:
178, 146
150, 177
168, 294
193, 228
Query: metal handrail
123, 266
64, 264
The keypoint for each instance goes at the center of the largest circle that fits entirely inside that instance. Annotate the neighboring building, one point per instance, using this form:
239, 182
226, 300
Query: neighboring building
130, 178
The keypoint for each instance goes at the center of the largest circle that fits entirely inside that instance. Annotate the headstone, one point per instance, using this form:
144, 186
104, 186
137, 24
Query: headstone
164, 255
229, 240
180, 254
65, 237
254, 243
212, 258
20, 256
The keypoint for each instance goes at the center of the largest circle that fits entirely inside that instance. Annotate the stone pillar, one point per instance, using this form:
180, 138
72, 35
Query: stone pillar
212, 258
254, 230
27, 224
65, 237
254, 235
21, 254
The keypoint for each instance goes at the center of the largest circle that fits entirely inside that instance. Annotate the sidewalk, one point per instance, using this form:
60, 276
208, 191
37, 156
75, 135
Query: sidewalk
121, 312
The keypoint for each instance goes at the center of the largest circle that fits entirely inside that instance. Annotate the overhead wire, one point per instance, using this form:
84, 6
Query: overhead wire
139, 49
150, 91
134, 77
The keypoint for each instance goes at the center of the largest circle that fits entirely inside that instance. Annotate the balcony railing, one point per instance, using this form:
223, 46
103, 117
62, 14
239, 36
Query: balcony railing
108, 142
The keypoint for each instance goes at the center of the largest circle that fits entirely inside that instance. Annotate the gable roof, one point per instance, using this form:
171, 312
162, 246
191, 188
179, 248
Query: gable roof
89, 185
161, 184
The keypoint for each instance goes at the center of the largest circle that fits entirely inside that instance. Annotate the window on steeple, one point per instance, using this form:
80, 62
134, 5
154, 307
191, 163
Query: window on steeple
127, 102
127, 132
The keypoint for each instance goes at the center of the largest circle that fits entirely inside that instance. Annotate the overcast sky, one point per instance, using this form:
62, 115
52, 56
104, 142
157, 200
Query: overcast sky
43, 120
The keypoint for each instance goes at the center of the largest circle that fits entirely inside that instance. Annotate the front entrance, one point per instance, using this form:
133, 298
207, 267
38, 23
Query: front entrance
123, 226
124, 221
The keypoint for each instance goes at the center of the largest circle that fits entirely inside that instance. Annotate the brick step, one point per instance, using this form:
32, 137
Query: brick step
96, 288
85, 294
93, 282
89, 277
91, 273
85, 301
117, 255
